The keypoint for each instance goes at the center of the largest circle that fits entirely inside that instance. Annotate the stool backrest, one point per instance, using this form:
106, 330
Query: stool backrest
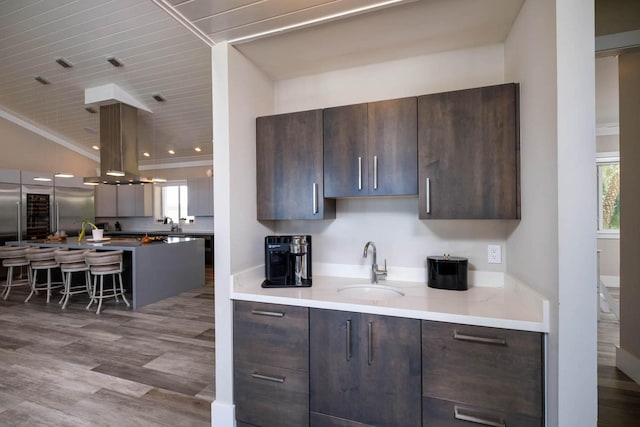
13, 251
40, 254
68, 257
103, 257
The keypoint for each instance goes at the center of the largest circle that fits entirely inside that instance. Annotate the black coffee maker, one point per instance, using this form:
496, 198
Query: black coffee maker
287, 261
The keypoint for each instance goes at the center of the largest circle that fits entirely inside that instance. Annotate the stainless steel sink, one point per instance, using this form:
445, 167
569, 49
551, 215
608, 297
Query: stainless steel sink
370, 291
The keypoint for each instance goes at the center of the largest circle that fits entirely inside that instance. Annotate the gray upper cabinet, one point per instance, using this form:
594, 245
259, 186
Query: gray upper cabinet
200, 196
135, 200
106, 200
469, 150
289, 154
371, 149
123, 200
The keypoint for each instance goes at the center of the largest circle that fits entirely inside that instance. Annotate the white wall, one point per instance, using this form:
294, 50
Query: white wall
550, 51
241, 93
392, 223
23, 149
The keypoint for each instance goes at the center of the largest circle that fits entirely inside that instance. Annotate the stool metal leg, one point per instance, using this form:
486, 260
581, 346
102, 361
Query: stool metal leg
34, 278
122, 290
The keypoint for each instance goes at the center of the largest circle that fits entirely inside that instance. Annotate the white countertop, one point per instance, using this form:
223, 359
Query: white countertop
512, 305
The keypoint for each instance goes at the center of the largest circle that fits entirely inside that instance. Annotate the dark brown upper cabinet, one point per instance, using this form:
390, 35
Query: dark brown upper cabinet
371, 149
289, 167
469, 154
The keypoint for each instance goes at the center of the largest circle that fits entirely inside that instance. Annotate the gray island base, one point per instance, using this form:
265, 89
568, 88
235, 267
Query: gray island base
153, 271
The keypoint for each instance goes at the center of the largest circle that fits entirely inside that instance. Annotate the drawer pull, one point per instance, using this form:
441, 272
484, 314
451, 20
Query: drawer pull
473, 338
478, 418
267, 313
348, 340
270, 378
370, 344
359, 173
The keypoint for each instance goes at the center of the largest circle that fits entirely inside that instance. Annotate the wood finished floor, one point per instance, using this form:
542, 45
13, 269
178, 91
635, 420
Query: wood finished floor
149, 367
618, 395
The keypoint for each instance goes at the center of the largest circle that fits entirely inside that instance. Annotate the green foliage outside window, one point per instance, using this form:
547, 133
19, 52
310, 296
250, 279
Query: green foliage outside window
609, 196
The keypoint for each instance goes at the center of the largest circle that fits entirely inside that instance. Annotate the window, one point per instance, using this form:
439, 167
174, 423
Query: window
174, 201
608, 169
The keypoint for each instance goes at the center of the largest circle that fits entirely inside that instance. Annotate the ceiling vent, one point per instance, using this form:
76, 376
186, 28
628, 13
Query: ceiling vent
64, 63
115, 61
42, 80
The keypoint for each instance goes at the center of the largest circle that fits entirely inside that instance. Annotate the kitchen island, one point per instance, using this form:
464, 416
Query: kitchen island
153, 271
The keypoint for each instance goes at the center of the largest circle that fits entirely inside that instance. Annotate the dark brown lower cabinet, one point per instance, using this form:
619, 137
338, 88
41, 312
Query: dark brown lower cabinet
364, 370
271, 364
480, 373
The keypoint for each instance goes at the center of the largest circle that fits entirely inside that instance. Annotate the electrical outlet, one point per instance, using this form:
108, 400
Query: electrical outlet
494, 254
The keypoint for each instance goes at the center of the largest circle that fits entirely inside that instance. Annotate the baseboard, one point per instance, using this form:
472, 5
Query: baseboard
223, 414
611, 281
628, 363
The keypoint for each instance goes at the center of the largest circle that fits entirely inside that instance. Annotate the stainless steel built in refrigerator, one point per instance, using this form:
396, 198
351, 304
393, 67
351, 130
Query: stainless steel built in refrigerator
9, 212
71, 206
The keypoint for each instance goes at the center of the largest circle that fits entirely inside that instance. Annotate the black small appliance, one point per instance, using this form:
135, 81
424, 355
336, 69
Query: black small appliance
287, 261
447, 272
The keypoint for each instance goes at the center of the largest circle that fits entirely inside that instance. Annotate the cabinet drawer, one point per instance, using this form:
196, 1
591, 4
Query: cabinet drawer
271, 334
271, 397
443, 413
491, 368
322, 420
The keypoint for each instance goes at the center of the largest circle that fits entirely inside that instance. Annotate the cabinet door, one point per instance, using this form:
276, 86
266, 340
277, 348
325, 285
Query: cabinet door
365, 368
469, 154
334, 363
105, 200
200, 196
134, 200
346, 172
393, 147
290, 167
391, 376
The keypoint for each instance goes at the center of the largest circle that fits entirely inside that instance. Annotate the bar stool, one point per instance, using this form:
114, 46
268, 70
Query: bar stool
14, 256
100, 265
42, 259
73, 262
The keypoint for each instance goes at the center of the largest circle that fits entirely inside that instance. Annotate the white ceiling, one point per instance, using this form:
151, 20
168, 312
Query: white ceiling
165, 46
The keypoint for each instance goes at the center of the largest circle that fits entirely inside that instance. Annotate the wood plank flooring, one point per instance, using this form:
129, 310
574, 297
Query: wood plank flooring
149, 367
618, 395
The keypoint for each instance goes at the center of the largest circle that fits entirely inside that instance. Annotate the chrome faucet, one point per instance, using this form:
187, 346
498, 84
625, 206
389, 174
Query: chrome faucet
375, 273
174, 227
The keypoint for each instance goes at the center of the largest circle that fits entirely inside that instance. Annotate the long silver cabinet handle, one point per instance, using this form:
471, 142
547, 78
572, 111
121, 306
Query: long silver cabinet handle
315, 198
359, 173
267, 313
19, 222
348, 340
375, 172
370, 344
483, 419
428, 194
273, 379
474, 338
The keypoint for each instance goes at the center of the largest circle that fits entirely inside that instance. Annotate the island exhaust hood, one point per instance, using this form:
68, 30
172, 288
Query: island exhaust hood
118, 146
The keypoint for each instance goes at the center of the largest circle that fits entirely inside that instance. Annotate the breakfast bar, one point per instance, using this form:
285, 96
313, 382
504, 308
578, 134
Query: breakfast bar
153, 271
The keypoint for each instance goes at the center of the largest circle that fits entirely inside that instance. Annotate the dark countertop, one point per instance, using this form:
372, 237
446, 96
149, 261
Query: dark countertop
128, 244
159, 233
